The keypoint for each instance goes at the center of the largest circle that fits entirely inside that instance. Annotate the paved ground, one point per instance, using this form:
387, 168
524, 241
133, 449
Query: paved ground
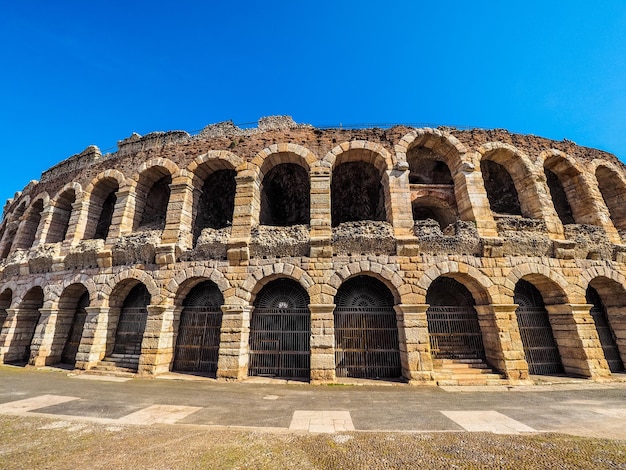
576, 407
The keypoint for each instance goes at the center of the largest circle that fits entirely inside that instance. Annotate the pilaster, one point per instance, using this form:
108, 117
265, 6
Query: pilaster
415, 356
322, 343
234, 342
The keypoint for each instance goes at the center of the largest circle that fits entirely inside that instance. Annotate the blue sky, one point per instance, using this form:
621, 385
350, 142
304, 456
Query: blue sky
77, 73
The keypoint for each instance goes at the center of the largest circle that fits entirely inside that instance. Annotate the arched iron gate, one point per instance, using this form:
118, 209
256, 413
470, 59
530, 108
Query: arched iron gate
76, 332
540, 349
605, 333
453, 326
280, 332
132, 322
366, 330
198, 341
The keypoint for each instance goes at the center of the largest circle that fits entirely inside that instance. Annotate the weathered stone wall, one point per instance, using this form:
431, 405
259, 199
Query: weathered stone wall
487, 252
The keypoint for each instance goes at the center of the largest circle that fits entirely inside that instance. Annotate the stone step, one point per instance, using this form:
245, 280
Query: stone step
118, 372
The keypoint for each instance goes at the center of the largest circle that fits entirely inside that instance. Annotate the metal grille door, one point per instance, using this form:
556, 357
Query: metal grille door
366, 342
454, 333
197, 347
76, 332
540, 349
132, 322
279, 342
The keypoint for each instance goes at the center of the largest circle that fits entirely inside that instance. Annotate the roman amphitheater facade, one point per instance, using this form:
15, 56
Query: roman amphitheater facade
428, 255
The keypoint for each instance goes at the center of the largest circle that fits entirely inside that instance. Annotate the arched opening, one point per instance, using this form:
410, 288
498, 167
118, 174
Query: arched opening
614, 194
285, 196
5, 302
501, 191
559, 198
606, 333
101, 208
132, 323
540, 348
70, 323
26, 322
61, 217
435, 209
216, 203
366, 330
426, 167
280, 331
153, 195
198, 340
357, 193
453, 325
8, 241
28, 231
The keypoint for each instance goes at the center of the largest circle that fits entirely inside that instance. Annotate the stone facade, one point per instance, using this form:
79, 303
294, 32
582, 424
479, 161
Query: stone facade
395, 208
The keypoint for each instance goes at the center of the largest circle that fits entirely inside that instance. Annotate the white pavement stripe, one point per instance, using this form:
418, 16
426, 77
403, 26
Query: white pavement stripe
321, 421
612, 412
487, 421
29, 404
159, 414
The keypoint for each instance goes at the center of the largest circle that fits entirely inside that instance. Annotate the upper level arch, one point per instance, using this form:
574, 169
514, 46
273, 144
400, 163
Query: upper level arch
442, 144
101, 199
152, 193
612, 186
29, 228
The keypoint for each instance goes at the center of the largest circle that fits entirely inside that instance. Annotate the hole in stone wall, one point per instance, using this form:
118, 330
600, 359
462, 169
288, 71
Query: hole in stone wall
501, 191
423, 210
217, 202
426, 168
61, 217
559, 198
357, 193
155, 209
285, 196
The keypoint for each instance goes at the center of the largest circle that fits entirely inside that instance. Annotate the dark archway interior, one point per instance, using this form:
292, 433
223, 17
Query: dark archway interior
445, 291
204, 294
426, 168
357, 193
285, 196
501, 191
282, 294
155, 210
613, 193
61, 217
217, 202
31, 224
363, 291
106, 216
443, 215
559, 198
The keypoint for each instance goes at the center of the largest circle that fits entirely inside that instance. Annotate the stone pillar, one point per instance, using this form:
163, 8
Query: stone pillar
123, 214
7, 336
44, 225
577, 339
322, 343
398, 205
234, 355
321, 224
471, 200
415, 356
179, 219
502, 341
157, 346
42, 344
18, 334
93, 344
246, 213
78, 222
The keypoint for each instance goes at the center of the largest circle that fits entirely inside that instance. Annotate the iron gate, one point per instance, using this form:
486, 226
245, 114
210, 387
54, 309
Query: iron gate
607, 339
540, 349
76, 331
454, 333
366, 342
197, 346
279, 342
130, 328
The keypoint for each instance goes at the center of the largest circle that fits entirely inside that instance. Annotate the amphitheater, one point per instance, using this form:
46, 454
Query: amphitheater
418, 255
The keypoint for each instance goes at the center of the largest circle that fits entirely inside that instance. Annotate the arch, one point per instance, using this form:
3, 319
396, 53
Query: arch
62, 207
198, 335
131, 323
81, 279
24, 325
391, 279
186, 279
612, 186
277, 154
607, 321
263, 275
102, 196
6, 299
152, 193
70, 323
482, 288
519, 168
444, 144
29, 228
359, 151
453, 325
435, 208
121, 284
280, 331
554, 288
366, 330
213, 160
